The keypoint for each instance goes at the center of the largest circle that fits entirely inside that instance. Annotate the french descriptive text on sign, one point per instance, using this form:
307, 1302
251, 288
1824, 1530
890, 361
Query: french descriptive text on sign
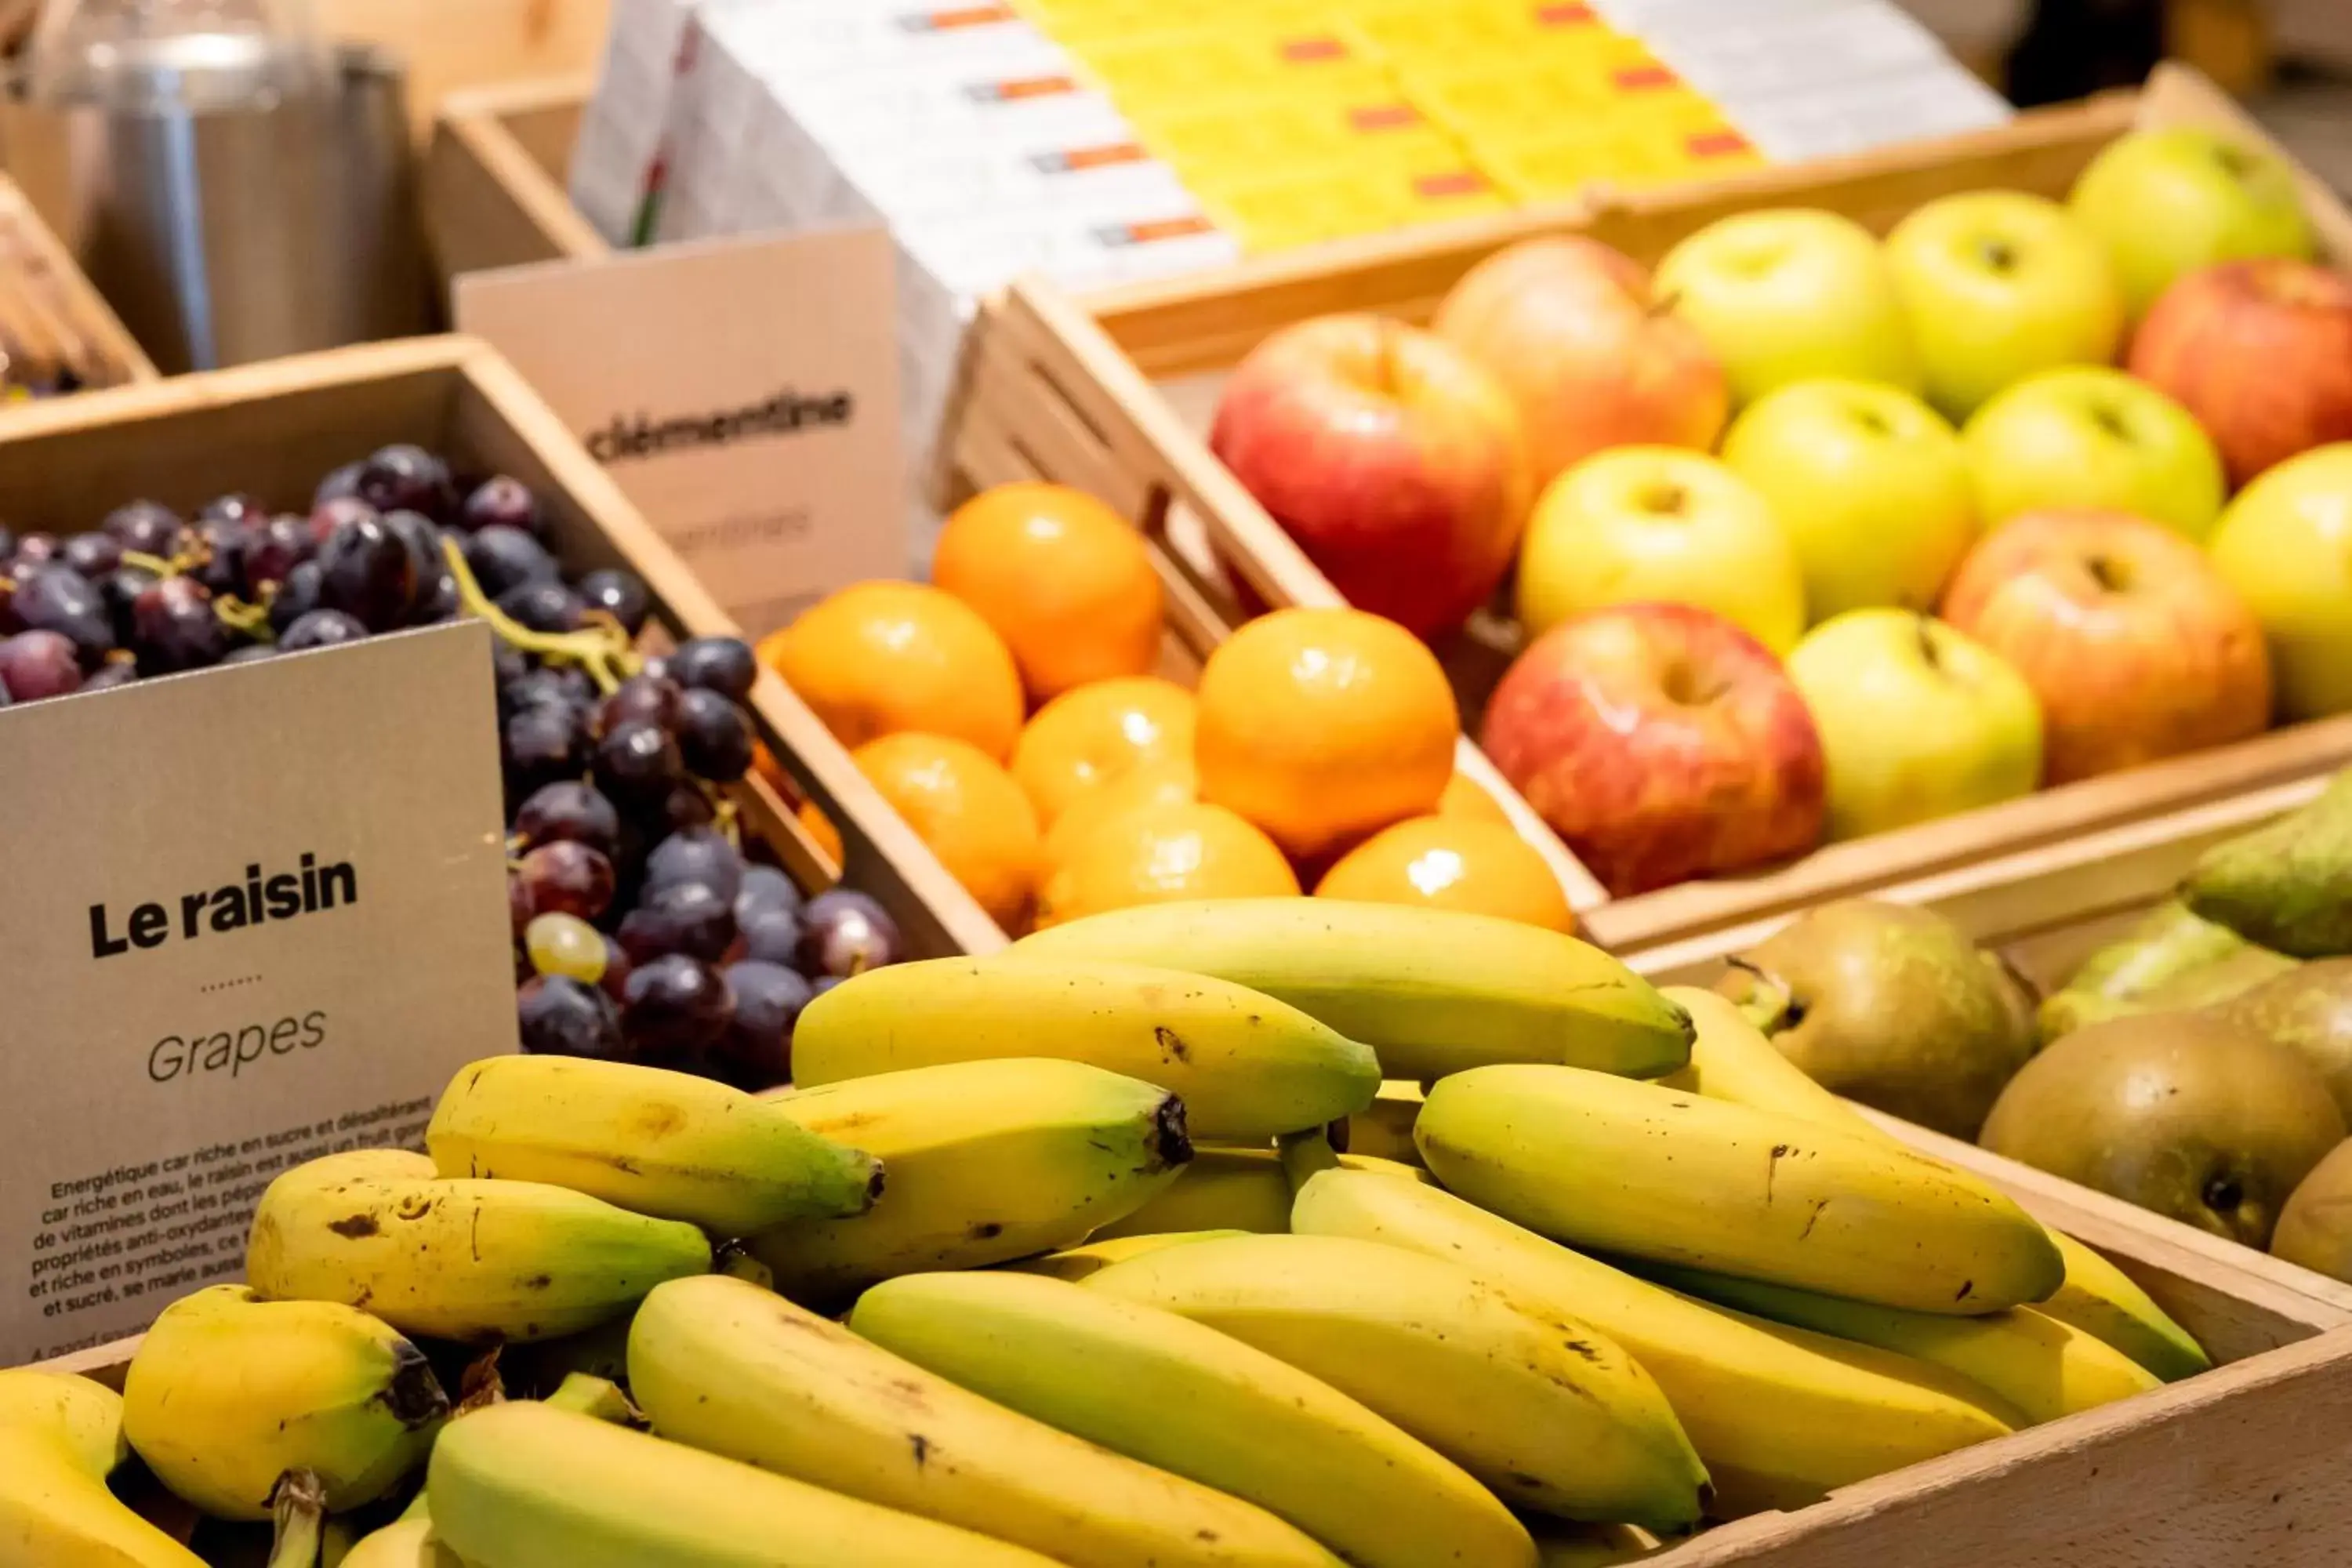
257, 915
743, 392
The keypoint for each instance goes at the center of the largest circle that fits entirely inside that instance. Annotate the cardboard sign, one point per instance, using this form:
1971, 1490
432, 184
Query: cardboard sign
744, 393
249, 916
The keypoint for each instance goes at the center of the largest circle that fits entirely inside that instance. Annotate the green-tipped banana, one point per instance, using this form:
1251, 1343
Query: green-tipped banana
1432, 992
988, 1161
1601, 1163
1545, 1410
60, 1438
525, 1486
1075, 1263
1246, 1065
458, 1260
653, 1142
1732, 1060
229, 1392
1172, 1392
735, 1371
1778, 1424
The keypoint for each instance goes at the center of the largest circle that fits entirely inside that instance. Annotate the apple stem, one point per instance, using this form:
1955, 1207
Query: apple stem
1926, 628
1663, 305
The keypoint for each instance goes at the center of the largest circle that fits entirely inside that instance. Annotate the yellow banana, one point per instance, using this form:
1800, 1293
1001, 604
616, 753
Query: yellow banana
2040, 1366
527, 1486
60, 1438
458, 1260
1603, 1162
1545, 1410
1231, 1189
1172, 1392
1075, 1263
735, 1371
988, 1161
229, 1392
1593, 1546
1778, 1424
1731, 1059
404, 1544
1384, 1128
1246, 1065
661, 1144
1431, 991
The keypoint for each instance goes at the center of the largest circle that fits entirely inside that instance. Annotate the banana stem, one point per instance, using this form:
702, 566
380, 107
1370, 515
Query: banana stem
298, 1511
1306, 1154
590, 1395
600, 647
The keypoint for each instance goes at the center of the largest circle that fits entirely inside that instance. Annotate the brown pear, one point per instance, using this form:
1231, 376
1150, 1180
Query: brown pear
2203, 1121
2315, 1231
2310, 1008
2170, 961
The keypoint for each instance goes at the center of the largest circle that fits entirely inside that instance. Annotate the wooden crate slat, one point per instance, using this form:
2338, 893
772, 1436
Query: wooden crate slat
490, 199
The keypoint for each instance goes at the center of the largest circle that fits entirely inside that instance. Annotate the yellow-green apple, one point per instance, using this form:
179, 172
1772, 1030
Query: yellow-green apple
1574, 331
1869, 484
1388, 455
2260, 353
2285, 545
2089, 436
1661, 742
1917, 721
2134, 645
2000, 284
1655, 522
1787, 294
2167, 202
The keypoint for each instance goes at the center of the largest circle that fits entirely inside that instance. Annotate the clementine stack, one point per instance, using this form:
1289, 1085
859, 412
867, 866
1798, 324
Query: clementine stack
1063, 580
967, 809
1165, 853
1085, 738
1452, 863
884, 658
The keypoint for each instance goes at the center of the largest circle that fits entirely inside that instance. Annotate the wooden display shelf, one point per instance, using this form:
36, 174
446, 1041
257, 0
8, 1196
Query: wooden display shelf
52, 321
1113, 392
273, 428
493, 186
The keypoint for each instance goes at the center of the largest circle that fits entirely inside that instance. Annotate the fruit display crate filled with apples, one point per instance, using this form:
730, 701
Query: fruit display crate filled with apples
1975, 586
1056, 1256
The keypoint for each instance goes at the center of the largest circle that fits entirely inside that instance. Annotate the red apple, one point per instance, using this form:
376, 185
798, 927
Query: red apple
2131, 639
1571, 329
1662, 742
1393, 460
2260, 352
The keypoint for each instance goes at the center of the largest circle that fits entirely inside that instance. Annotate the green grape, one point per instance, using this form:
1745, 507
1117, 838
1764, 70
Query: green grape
566, 944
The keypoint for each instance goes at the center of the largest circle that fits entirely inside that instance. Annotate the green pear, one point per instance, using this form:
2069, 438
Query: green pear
2172, 959
2315, 1231
2310, 1008
2287, 886
2200, 1119
1891, 1005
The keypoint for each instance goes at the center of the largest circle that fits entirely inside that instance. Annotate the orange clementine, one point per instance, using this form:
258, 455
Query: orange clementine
1163, 781
1452, 863
1322, 725
968, 809
1085, 738
1466, 800
821, 831
884, 658
1163, 854
1064, 579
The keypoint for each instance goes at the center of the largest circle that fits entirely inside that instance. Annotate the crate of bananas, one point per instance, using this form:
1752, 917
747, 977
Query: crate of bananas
1266, 1233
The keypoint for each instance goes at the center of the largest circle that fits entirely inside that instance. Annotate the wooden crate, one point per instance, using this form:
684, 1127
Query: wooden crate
273, 428
493, 186
449, 46
51, 319
1113, 392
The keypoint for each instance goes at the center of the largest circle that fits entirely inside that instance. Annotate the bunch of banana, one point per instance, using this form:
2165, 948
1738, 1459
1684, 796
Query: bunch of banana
1232, 1189
1601, 1163
1545, 1410
1172, 1392
1384, 1128
728, 1368
661, 1144
229, 1392
1432, 992
60, 1438
1246, 1065
458, 1260
527, 1485
988, 1161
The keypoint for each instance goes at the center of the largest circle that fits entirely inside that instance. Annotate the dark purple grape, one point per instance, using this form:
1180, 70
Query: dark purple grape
321, 628
499, 501
509, 665
365, 570
409, 477
686, 807
502, 558
713, 736
34, 549
338, 484
562, 1017
93, 554
617, 969
701, 855
438, 601
675, 1006
296, 597
235, 507
119, 672
772, 935
277, 547
224, 542
36, 665
685, 917
549, 683
651, 698
764, 888
620, 594
542, 744
172, 627
146, 526
756, 1052
252, 653
332, 514
416, 531
54, 598
637, 764
845, 932
121, 589
519, 914
723, 664
542, 606
564, 877
569, 809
